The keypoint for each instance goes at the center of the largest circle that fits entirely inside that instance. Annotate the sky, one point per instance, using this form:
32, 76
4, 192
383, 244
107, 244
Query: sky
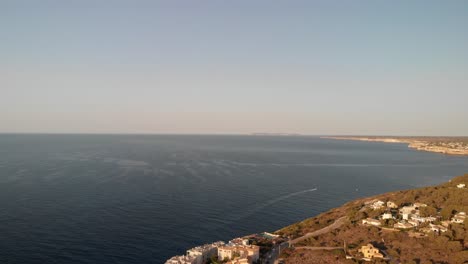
234, 67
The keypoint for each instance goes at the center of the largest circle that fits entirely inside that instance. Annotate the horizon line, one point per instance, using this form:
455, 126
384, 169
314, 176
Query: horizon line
258, 134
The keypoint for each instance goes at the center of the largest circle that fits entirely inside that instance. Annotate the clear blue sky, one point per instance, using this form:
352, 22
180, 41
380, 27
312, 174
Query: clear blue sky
312, 67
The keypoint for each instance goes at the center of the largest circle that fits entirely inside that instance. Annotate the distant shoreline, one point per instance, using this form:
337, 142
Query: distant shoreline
444, 145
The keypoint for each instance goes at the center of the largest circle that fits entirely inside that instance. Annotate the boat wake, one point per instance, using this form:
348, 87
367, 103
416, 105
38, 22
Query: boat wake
250, 211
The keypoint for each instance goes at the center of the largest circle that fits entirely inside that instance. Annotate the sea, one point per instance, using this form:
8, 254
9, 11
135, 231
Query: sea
144, 198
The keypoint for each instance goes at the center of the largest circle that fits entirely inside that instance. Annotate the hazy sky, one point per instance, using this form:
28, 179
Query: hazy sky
313, 67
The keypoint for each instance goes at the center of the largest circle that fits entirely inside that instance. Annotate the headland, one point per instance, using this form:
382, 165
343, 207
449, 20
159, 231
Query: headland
443, 145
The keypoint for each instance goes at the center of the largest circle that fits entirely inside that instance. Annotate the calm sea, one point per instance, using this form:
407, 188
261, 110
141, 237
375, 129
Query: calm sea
144, 198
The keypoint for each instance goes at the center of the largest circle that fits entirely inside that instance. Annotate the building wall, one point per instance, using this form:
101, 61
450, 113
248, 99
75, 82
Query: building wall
224, 253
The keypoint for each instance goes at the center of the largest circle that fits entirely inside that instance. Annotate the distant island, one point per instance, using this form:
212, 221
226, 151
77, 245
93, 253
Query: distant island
444, 145
425, 225
275, 134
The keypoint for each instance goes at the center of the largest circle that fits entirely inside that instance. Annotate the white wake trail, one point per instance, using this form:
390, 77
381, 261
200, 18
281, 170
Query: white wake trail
261, 206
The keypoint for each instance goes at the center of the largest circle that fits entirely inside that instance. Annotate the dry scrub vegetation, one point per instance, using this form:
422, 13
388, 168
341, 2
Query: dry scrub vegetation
443, 201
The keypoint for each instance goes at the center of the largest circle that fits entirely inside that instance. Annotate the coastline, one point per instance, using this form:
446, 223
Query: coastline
338, 235
296, 239
447, 146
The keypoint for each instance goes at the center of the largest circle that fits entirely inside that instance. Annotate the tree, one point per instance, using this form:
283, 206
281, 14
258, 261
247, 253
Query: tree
447, 212
428, 211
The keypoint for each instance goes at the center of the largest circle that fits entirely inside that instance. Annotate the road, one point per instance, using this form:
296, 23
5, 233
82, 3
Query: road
275, 252
319, 248
324, 230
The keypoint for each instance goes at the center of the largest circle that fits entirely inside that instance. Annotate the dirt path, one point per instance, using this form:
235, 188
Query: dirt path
318, 248
324, 230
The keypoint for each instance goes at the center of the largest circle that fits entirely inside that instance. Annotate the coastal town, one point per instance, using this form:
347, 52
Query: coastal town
407, 215
443, 145
251, 249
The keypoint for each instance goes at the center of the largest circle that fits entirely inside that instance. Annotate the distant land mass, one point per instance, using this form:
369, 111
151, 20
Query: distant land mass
444, 145
275, 134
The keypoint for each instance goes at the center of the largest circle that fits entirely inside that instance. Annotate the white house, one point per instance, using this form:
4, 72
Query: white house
377, 205
205, 252
370, 221
269, 235
387, 216
422, 219
239, 241
459, 218
461, 185
438, 228
406, 211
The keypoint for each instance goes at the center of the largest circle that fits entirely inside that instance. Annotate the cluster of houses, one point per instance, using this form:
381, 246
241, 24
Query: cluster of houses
458, 148
454, 145
197, 255
410, 216
236, 251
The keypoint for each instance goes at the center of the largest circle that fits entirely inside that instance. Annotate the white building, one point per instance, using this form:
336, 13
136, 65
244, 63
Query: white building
438, 228
392, 205
205, 252
387, 216
402, 225
183, 260
377, 205
239, 241
461, 185
421, 219
459, 218
370, 221
269, 235
231, 251
406, 211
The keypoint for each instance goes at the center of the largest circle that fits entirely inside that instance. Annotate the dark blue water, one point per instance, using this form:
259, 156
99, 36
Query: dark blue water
142, 199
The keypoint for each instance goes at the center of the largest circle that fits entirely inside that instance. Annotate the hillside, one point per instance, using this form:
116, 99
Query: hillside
424, 225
